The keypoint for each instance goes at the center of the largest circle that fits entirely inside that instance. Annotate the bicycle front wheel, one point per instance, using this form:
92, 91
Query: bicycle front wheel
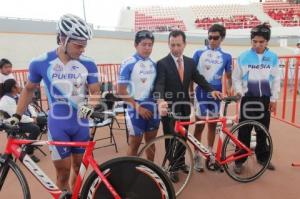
259, 141
132, 178
170, 153
13, 183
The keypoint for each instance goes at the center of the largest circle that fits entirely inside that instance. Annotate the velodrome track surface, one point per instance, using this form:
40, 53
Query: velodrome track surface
284, 182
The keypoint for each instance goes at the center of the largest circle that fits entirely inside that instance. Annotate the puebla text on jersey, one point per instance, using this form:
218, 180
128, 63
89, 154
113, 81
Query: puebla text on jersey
139, 74
211, 63
65, 85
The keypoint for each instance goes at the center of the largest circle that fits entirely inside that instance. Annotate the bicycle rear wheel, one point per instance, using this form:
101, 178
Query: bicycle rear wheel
132, 178
169, 153
251, 167
13, 183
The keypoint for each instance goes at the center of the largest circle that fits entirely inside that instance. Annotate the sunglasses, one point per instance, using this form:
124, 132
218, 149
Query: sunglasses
213, 37
264, 30
144, 34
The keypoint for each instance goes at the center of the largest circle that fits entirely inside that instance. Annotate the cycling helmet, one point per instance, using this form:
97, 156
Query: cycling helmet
74, 27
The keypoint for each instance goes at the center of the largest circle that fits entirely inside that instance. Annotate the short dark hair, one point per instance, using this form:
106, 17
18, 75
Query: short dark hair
218, 28
143, 34
7, 86
58, 39
4, 61
176, 33
262, 30
59, 36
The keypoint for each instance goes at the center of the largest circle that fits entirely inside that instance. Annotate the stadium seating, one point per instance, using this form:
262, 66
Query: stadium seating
224, 11
287, 14
232, 16
158, 19
233, 22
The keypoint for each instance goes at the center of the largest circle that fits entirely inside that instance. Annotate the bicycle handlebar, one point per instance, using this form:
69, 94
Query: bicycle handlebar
227, 101
231, 99
14, 129
102, 114
8, 127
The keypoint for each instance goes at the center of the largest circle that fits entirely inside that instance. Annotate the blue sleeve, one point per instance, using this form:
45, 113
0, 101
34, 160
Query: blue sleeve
228, 66
93, 76
125, 73
35, 72
196, 57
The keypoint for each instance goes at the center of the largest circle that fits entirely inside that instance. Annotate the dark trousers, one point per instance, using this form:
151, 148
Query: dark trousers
175, 151
32, 132
41, 121
255, 108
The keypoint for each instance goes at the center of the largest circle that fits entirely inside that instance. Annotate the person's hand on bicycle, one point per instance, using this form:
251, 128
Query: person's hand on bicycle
239, 96
228, 92
272, 107
85, 112
217, 95
14, 120
162, 107
144, 113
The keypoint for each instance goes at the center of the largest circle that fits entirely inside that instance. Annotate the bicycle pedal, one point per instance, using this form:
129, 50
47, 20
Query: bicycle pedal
221, 170
218, 168
215, 167
65, 195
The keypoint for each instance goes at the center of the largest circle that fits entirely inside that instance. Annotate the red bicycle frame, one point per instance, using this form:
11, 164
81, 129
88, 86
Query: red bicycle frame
179, 128
13, 148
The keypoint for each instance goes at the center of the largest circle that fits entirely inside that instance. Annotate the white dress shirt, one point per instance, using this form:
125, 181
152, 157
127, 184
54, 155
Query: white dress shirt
176, 58
3, 77
9, 105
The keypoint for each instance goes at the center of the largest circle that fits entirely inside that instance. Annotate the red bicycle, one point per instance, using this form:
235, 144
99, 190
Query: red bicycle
171, 150
125, 177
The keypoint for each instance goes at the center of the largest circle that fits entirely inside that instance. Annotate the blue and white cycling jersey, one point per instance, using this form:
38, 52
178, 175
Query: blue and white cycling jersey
257, 75
65, 86
139, 75
212, 63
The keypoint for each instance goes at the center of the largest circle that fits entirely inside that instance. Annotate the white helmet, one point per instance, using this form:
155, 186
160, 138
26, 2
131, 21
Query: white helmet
74, 27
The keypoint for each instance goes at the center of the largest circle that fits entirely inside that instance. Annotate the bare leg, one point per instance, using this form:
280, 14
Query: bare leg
150, 151
63, 168
134, 144
211, 134
76, 162
198, 130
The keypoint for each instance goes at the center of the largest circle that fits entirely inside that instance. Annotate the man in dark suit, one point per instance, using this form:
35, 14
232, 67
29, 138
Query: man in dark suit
175, 72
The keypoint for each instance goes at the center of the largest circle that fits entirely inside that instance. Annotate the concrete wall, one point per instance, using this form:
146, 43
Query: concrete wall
23, 39
20, 48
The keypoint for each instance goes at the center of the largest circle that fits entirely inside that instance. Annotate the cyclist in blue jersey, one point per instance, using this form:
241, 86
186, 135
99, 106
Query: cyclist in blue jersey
66, 75
256, 79
135, 85
211, 63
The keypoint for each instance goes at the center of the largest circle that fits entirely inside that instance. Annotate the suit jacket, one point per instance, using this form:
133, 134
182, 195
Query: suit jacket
169, 87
